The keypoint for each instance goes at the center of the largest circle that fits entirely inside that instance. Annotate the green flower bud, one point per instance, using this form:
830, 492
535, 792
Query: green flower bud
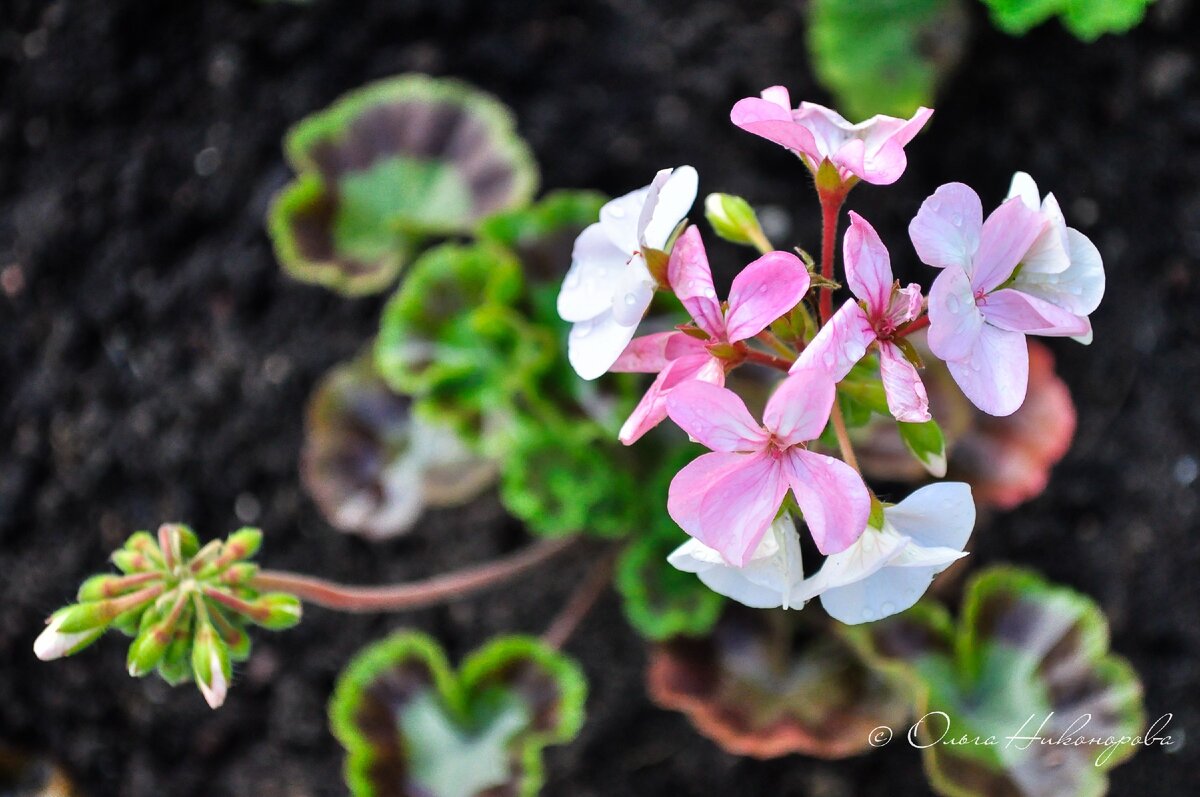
283, 611
131, 562
148, 649
210, 665
242, 544
54, 642
732, 218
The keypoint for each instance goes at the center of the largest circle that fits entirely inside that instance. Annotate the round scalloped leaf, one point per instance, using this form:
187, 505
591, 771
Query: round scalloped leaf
543, 235
388, 165
372, 465
1028, 658
569, 477
660, 601
451, 338
757, 690
1087, 19
412, 727
885, 56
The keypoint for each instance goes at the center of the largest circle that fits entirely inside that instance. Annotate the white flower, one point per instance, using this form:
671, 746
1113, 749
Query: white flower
887, 570
1063, 266
773, 576
609, 287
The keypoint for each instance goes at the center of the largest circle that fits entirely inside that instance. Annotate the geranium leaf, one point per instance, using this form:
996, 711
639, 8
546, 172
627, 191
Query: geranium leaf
388, 166
412, 727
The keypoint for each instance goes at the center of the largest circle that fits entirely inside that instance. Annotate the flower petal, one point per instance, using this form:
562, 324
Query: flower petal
596, 264
1022, 185
619, 218
595, 344
1049, 253
668, 203
691, 280
1007, 236
647, 354
799, 408
739, 507
955, 322
1017, 311
868, 266
906, 396
763, 292
946, 230
866, 556
715, 417
632, 292
652, 409
891, 589
995, 373
767, 119
1079, 288
876, 151
767, 581
937, 515
841, 343
691, 484
832, 496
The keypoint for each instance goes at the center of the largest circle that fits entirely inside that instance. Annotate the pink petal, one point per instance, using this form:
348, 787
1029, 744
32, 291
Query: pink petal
841, 343
764, 290
1007, 235
1019, 312
767, 119
652, 409
903, 306
647, 354
995, 373
691, 280
873, 150
799, 408
832, 496
954, 320
868, 266
693, 482
946, 230
714, 416
740, 505
906, 396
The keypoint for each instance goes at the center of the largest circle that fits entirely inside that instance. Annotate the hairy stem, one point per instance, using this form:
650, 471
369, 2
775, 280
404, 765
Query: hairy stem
843, 437
580, 602
831, 206
413, 595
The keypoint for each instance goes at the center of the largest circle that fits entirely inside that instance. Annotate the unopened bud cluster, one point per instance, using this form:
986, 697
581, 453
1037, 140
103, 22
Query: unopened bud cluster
185, 606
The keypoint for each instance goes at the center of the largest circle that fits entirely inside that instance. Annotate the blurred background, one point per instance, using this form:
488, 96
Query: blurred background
155, 360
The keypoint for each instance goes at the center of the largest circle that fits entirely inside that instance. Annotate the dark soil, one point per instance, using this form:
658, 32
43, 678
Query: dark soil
156, 361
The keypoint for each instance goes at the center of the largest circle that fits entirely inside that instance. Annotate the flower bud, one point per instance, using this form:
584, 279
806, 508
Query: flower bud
239, 574
130, 562
732, 218
148, 649
54, 643
210, 665
242, 544
283, 611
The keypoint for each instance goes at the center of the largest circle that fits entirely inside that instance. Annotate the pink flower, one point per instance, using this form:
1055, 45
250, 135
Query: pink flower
872, 150
727, 499
764, 291
884, 308
979, 312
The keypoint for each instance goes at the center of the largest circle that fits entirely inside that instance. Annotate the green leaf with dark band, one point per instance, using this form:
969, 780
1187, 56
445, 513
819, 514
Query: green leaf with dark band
412, 727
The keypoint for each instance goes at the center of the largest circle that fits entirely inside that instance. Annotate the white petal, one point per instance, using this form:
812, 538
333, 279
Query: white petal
594, 345
938, 515
771, 578
1079, 288
619, 218
675, 198
866, 556
596, 265
632, 292
889, 591
1022, 185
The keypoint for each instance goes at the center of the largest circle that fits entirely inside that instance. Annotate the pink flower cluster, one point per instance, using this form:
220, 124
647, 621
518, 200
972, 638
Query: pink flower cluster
1020, 272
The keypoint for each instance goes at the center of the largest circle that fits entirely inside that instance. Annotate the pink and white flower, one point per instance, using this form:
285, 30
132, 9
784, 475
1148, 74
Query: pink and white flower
609, 286
883, 308
728, 498
983, 304
872, 150
764, 291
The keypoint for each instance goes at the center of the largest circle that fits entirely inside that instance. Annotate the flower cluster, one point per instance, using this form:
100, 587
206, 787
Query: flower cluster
1022, 271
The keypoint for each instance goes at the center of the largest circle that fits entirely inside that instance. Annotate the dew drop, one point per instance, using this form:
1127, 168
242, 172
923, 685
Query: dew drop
935, 205
583, 329
1076, 290
888, 608
953, 304
617, 212
868, 614
709, 293
572, 281
762, 288
956, 219
828, 359
976, 364
630, 300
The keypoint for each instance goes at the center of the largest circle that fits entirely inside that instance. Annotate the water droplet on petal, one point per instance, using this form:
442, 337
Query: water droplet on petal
956, 219
572, 281
630, 300
868, 614
888, 608
935, 205
583, 329
617, 212
709, 293
953, 304
762, 288
828, 359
